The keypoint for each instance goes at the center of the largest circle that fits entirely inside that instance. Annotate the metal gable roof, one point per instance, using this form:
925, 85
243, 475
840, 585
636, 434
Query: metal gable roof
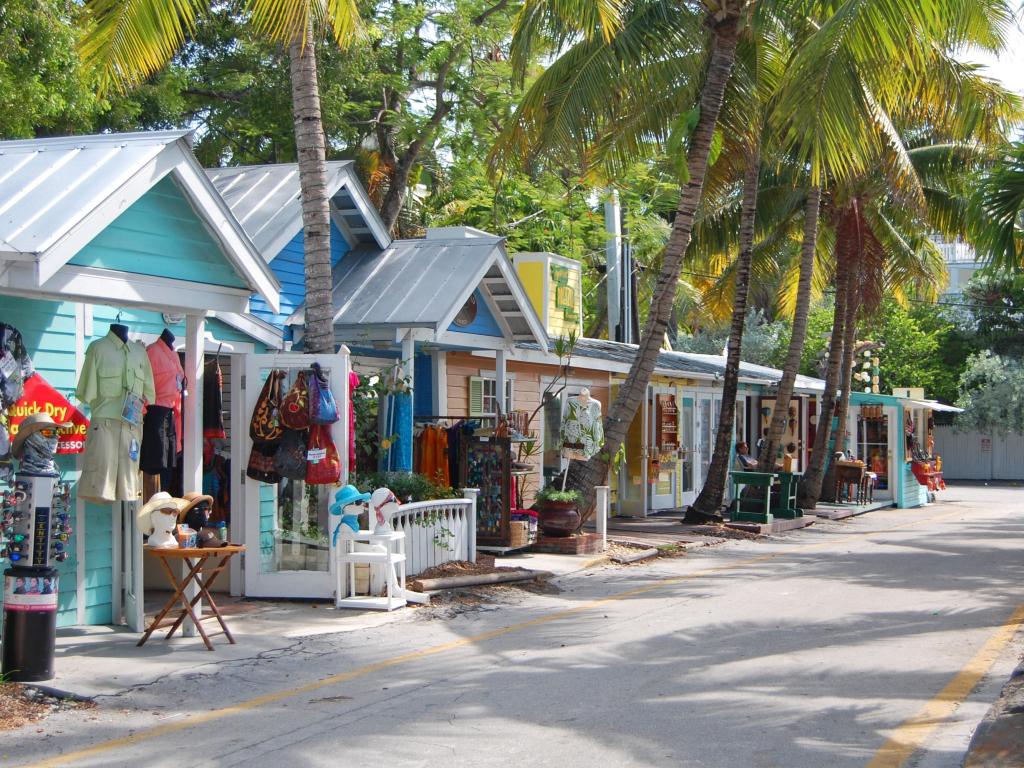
423, 283
266, 200
48, 185
56, 194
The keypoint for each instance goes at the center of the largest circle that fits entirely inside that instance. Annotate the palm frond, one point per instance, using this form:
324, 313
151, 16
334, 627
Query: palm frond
126, 41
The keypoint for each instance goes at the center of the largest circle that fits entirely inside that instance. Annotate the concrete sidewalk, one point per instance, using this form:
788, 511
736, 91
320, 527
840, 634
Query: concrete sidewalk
104, 660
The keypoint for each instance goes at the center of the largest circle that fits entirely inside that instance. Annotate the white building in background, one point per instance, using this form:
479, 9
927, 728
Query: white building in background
961, 262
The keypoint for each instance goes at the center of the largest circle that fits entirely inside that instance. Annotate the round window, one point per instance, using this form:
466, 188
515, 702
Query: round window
467, 314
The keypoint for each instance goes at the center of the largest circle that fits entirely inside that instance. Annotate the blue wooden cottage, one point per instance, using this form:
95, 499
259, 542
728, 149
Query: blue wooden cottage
126, 227
267, 202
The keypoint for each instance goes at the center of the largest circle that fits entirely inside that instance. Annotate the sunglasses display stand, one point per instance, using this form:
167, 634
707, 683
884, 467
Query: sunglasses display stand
34, 523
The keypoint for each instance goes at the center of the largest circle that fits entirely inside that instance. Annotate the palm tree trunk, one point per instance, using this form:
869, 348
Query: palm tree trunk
845, 382
799, 335
310, 147
709, 501
810, 489
583, 476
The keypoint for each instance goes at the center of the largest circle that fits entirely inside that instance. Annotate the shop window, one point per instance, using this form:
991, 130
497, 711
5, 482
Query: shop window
482, 396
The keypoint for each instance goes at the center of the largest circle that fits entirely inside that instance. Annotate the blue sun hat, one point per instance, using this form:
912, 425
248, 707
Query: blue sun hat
343, 498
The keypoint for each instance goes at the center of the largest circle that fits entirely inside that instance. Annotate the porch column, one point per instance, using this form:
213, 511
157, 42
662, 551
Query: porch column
500, 376
192, 423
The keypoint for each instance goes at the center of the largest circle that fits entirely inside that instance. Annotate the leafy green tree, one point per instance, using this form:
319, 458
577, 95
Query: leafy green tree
992, 394
996, 314
764, 342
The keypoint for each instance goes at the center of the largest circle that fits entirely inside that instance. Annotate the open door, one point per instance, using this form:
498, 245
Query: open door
286, 525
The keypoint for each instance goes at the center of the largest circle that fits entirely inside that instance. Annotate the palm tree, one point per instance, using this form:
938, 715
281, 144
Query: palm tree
129, 40
999, 211
637, 79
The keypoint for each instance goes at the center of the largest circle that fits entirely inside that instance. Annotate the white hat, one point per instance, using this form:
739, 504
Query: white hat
158, 501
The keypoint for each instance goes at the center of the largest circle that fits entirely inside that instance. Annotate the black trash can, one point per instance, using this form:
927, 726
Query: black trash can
30, 624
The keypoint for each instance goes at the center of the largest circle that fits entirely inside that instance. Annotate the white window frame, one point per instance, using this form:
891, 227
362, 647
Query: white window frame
487, 397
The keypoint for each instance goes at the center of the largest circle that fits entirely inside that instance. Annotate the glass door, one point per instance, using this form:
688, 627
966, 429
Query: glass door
686, 451
663, 447
873, 423
286, 525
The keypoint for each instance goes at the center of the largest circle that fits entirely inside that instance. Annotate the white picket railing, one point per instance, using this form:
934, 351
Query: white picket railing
437, 532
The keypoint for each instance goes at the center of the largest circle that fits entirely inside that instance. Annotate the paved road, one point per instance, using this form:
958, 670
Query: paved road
818, 648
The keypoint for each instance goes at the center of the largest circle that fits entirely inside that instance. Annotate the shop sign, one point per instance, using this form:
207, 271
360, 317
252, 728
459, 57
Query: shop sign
41, 397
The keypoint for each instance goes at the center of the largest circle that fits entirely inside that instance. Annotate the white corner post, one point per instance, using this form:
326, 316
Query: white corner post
602, 514
192, 421
500, 376
471, 494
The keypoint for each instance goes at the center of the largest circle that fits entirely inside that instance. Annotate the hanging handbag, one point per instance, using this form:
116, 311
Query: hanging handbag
261, 463
323, 466
290, 459
322, 407
265, 425
295, 406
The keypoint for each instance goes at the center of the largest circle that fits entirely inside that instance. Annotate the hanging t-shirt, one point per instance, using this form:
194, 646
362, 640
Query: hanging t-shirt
582, 428
169, 381
115, 378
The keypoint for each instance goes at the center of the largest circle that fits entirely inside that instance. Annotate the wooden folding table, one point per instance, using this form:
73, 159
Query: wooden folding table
203, 574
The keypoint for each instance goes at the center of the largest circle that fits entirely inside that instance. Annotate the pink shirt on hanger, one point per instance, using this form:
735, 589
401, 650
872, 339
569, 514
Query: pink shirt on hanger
169, 379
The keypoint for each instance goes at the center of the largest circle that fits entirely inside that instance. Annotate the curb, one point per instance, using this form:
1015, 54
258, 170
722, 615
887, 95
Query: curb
998, 741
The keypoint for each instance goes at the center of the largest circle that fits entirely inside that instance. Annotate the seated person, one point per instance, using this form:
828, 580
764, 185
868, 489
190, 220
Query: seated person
743, 461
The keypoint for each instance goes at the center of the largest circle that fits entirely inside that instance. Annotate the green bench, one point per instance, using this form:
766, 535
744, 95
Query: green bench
763, 510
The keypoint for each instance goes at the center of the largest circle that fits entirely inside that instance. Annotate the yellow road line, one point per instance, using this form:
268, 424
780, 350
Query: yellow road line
910, 735
193, 721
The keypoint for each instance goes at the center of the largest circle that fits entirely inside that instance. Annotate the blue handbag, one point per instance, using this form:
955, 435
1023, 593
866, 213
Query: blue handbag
322, 407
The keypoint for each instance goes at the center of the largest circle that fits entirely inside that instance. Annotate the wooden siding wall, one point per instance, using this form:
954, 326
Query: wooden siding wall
160, 234
49, 331
289, 268
526, 392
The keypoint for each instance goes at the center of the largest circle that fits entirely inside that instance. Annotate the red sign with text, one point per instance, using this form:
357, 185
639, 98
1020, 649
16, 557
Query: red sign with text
41, 397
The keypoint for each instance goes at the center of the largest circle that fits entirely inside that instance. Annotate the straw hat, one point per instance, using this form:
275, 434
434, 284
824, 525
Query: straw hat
190, 500
30, 426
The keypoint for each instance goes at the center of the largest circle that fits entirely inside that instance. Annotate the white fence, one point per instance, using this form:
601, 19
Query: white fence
437, 532
973, 455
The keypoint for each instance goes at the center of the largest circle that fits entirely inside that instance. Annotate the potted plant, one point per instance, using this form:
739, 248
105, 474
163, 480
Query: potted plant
558, 510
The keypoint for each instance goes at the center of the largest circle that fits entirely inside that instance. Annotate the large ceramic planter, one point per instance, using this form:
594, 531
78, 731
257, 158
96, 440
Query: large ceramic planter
558, 518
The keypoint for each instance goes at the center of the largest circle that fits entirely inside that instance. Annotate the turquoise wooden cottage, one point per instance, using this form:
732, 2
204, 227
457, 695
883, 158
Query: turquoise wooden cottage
128, 226
879, 430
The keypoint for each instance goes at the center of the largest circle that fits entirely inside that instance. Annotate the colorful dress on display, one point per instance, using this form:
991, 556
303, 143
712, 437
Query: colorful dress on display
582, 429
116, 381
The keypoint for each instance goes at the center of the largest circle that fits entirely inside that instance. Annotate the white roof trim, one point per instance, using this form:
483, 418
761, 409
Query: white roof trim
253, 327
170, 154
113, 287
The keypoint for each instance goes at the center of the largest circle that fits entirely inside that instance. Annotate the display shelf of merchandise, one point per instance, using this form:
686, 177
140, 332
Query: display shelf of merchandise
485, 462
392, 559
